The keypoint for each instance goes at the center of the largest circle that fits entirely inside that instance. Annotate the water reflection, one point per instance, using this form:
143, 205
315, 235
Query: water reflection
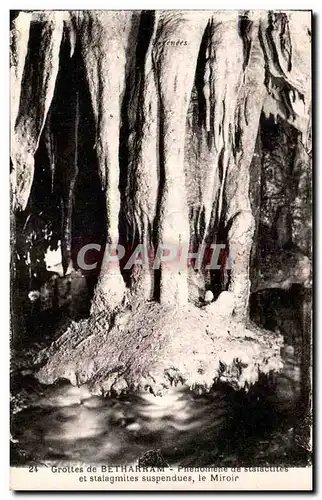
62, 423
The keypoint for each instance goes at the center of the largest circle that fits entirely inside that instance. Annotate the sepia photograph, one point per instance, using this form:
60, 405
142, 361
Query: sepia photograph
161, 250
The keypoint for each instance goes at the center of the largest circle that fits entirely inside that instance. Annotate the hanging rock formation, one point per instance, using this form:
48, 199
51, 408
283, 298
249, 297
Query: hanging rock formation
176, 99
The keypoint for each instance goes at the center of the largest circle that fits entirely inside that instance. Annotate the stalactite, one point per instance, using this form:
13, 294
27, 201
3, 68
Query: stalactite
175, 76
144, 171
286, 40
61, 139
68, 195
238, 213
107, 40
19, 36
227, 81
176, 112
35, 99
225, 74
51, 150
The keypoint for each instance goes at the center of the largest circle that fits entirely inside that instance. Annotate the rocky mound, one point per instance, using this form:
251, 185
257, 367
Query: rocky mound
151, 347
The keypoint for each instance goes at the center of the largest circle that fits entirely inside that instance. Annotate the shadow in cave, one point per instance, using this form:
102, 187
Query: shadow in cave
65, 166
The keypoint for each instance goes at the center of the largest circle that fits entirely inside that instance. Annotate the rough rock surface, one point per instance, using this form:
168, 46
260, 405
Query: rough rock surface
34, 94
172, 102
156, 346
172, 76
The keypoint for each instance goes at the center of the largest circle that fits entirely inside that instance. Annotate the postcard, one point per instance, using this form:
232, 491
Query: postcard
161, 250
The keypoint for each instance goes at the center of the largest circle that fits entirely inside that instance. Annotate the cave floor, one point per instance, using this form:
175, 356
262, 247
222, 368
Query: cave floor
61, 424
153, 347
259, 424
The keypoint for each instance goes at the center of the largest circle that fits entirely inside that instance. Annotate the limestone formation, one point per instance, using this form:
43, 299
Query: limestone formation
173, 101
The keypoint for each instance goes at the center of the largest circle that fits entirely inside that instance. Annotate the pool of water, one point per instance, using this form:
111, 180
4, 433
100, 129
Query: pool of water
62, 424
